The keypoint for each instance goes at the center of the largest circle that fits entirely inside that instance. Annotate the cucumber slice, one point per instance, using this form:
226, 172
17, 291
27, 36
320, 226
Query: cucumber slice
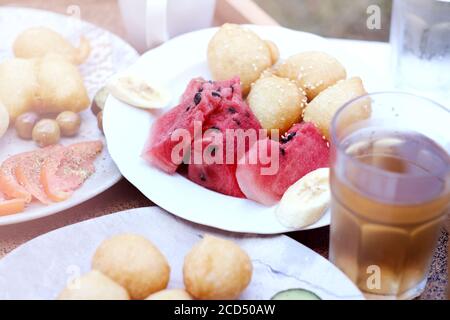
296, 294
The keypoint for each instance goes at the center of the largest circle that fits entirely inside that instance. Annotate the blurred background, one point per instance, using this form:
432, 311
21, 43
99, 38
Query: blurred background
330, 18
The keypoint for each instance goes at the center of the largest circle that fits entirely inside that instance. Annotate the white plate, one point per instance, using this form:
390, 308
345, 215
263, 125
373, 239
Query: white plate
109, 55
173, 65
41, 268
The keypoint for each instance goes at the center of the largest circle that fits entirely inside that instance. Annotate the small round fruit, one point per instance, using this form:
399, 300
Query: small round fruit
170, 294
98, 104
46, 132
25, 123
216, 269
277, 103
69, 122
94, 286
133, 262
100, 120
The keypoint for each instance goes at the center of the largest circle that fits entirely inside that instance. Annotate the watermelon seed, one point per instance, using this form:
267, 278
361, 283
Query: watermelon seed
212, 150
197, 98
237, 122
232, 110
216, 94
202, 177
288, 137
283, 152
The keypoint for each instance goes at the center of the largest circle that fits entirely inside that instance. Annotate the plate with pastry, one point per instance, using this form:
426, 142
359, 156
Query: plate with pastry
127, 255
53, 154
229, 127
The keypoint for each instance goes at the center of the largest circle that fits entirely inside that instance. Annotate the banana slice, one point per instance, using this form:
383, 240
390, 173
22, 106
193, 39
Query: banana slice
306, 201
4, 120
138, 92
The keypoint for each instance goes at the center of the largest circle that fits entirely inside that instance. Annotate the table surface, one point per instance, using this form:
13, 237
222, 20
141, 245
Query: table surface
125, 196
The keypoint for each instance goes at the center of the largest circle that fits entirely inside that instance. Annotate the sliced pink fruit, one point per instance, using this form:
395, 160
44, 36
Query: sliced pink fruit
28, 172
301, 150
65, 170
200, 99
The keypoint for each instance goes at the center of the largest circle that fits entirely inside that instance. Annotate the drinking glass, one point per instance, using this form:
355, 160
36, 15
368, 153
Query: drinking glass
420, 42
390, 184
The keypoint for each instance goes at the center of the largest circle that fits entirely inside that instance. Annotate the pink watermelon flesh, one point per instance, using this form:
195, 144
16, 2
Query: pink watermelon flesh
221, 177
197, 103
301, 150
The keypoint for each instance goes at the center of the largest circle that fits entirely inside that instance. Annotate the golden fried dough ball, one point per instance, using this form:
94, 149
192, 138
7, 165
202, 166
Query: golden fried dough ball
18, 86
314, 71
216, 269
94, 286
61, 86
38, 42
274, 51
321, 110
4, 119
170, 294
237, 51
133, 262
276, 102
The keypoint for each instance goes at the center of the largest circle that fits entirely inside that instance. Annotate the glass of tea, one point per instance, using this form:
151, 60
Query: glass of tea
390, 184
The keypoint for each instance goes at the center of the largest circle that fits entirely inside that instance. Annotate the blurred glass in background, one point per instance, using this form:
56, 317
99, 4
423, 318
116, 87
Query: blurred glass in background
420, 41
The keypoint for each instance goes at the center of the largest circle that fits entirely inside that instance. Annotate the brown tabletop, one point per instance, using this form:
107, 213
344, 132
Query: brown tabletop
123, 196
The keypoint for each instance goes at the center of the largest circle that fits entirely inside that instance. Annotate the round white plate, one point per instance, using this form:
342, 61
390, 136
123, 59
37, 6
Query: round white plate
41, 268
173, 65
109, 55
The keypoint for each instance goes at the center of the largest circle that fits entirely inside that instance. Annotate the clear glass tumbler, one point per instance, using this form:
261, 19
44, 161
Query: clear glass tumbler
420, 41
390, 183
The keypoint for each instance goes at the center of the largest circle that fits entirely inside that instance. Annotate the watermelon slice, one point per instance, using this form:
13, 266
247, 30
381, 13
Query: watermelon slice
221, 177
301, 150
200, 99
66, 169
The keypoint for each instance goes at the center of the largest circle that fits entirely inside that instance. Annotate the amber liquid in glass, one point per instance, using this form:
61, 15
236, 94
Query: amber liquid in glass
387, 210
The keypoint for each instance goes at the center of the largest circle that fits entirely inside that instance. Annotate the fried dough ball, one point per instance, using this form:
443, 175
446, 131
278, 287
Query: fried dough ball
38, 42
133, 262
237, 51
276, 102
94, 286
46, 85
216, 269
274, 51
61, 86
314, 71
4, 120
170, 294
322, 109
18, 86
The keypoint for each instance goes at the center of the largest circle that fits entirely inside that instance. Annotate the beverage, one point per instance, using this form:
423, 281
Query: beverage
390, 184
388, 222
420, 38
